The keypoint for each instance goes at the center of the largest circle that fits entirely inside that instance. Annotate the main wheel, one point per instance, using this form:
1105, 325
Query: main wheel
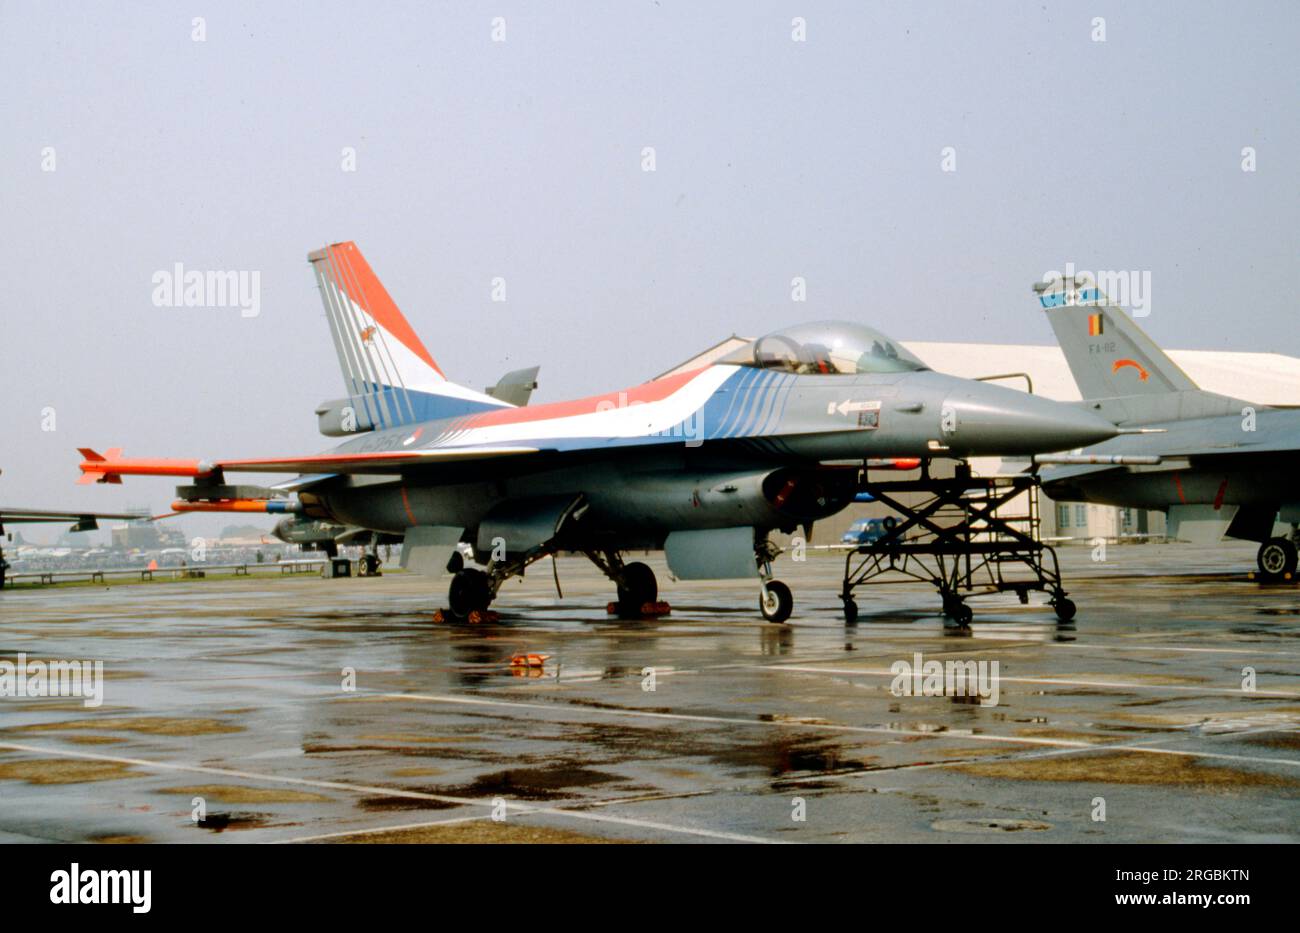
850, 611
776, 602
469, 591
1065, 608
1276, 559
957, 610
639, 587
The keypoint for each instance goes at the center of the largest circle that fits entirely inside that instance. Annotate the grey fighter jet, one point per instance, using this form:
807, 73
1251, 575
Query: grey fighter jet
1217, 465
701, 464
81, 521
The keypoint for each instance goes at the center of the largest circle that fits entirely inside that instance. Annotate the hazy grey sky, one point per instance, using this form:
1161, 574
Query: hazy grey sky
523, 159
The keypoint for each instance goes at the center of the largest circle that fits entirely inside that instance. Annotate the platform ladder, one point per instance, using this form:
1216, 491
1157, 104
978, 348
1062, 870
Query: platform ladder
965, 535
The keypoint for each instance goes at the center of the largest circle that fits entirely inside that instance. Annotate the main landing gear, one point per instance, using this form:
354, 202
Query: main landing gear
471, 591
638, 590
1277, 560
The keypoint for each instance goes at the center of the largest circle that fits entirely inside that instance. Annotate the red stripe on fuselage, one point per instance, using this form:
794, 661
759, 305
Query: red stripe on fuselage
654, 391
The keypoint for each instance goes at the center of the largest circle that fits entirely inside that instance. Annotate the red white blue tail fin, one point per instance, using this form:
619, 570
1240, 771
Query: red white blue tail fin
388, 372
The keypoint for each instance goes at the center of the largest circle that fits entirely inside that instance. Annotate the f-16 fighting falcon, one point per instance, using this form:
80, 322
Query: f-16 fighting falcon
1216, 465
701, 464
81, 521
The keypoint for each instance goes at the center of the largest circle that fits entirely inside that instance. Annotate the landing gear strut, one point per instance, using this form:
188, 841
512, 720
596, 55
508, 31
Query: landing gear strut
638, 590
775, 601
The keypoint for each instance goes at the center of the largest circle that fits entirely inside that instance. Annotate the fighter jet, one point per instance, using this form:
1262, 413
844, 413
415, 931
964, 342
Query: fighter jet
702, 464
81, 521
1217, 465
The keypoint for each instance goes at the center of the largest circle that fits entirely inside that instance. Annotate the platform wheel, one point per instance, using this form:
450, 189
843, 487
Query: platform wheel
776, 602
850, 611
639, 587
956, 609
1277, 560
470, 591
1065, 608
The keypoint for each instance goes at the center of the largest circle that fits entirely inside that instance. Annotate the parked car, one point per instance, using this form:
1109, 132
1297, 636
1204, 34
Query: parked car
868, 530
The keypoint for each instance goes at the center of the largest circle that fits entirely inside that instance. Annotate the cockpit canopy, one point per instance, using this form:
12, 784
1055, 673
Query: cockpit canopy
826, 347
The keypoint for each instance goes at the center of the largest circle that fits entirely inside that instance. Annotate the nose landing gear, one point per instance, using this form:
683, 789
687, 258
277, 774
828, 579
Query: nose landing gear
775, 601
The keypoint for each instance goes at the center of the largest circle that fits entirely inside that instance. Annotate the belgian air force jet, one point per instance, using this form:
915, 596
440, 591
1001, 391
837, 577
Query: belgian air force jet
1216, 465
81, 521
701, 464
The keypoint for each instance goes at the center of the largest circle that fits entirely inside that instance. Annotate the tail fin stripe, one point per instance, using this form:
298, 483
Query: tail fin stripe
353, 328
334, 312
380, 357
387, 370
358, 386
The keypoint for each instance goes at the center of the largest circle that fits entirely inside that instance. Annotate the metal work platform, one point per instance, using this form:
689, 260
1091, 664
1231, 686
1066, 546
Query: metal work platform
966, 535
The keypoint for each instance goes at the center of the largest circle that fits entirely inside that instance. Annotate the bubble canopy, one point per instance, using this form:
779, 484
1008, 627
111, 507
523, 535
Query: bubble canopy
826, 347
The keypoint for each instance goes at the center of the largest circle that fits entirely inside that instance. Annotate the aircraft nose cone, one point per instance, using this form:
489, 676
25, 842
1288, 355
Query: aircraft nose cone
992, 420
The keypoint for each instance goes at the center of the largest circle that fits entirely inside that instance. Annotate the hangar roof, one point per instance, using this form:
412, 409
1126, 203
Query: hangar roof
1265, 378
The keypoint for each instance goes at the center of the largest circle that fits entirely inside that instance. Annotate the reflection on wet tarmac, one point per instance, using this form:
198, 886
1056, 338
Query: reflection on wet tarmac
704, 724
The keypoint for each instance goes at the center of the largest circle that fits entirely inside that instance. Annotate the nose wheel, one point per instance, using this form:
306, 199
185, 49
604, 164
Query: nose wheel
776, 602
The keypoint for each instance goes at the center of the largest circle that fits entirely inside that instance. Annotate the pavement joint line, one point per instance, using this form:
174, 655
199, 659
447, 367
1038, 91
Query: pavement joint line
582, 805
1031, 754
1049, 681
570, 709
384, 791
1065, 745
372, 831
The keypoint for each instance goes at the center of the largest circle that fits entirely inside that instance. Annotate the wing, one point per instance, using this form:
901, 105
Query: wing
82, 521
112, 466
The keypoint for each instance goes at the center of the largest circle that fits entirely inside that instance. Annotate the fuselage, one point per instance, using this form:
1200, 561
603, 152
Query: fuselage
722, 446
1247, 459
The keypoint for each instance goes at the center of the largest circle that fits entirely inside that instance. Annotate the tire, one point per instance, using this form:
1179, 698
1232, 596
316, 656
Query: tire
638, 588
957, 610
1277, 560
776, 602
469, 591
1065, 609
850, 612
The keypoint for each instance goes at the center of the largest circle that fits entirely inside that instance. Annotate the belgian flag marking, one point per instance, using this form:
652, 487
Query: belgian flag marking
1094, 325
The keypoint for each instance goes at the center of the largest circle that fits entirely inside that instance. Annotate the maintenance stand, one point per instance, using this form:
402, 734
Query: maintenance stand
965, 535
